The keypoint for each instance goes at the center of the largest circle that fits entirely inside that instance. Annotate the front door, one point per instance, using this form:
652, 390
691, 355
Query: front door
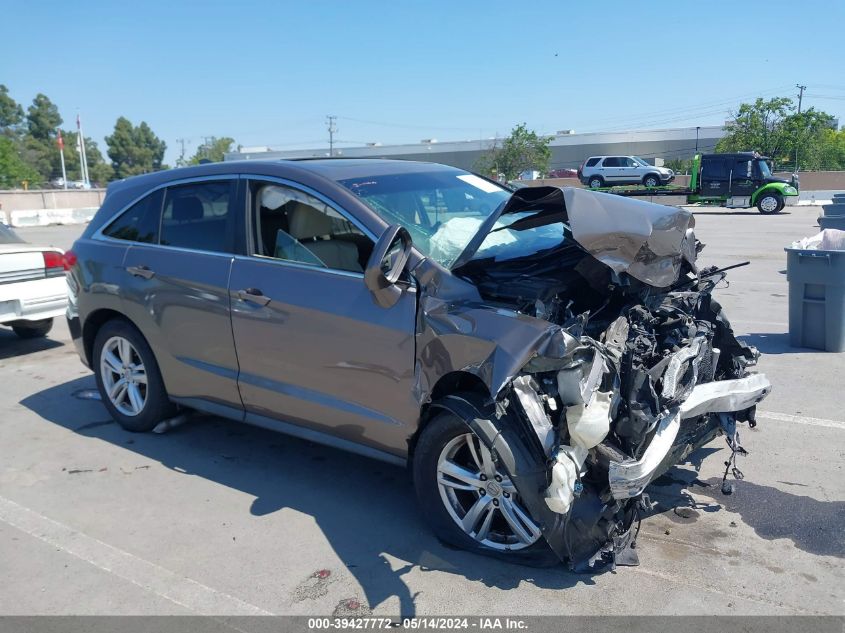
612, 169
314, 348
742, 177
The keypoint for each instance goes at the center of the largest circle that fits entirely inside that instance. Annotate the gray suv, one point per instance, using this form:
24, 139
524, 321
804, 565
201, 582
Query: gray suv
533, 363
608, 171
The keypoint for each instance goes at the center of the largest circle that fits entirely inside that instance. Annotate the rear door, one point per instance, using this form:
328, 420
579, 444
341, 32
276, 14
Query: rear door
611, 169
715, 176
176, 289
315, 350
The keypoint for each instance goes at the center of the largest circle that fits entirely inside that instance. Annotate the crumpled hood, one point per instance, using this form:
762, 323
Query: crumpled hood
645, 240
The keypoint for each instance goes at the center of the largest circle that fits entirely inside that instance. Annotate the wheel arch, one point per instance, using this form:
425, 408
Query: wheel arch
453, 383
768, 188
92, 325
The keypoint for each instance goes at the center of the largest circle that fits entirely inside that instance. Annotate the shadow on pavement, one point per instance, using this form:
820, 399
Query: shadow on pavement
366, 510
776, 343
747, 212
11, 345
813, 526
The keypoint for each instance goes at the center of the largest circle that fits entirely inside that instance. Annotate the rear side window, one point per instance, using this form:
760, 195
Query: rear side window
593, 162
611, 161
713, 168
199, 216
140, 222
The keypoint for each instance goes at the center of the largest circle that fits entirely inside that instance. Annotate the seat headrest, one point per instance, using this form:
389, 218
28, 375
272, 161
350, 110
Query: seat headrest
306, 222
187, 208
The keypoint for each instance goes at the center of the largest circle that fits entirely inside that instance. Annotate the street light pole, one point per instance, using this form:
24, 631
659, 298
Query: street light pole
697, 128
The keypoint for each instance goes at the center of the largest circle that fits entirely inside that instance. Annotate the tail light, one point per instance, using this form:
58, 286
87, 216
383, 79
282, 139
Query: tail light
69, 260
53, 262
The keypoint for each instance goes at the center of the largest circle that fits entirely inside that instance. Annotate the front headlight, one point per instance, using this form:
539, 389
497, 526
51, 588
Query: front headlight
790, 190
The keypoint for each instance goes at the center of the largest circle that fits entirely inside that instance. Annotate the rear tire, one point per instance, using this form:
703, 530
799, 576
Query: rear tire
33, 329
445, 442
128, 377
651, 180
770, 203
595, 182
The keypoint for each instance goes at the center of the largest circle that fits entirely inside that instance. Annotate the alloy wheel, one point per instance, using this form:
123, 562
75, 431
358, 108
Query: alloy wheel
482, 501
769, 204
124, 376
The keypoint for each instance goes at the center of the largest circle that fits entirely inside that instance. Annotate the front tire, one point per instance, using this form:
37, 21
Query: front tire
33, 329
769, 203
651, 180
468, 500
128, 378
595, 182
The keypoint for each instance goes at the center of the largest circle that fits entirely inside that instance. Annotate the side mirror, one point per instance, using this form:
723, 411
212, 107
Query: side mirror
389, 258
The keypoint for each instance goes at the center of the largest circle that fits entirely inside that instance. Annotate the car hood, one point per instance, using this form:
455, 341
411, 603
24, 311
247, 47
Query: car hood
644, 240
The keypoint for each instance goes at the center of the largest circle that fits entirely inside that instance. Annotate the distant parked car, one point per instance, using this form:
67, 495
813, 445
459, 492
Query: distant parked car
32, 285
563, 173
78, 184
607, 171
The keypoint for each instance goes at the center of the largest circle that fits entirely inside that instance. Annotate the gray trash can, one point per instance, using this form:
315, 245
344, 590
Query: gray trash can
837, 208
832, 222
816, 298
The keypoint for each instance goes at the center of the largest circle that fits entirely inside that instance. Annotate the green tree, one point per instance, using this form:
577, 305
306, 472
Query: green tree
521, 151
212, 150
134, 150
831, 153
775, 129
43, 118
679, 165
11, 113
13, 169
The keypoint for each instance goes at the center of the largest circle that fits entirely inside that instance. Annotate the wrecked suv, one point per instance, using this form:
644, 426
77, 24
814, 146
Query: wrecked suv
536, 358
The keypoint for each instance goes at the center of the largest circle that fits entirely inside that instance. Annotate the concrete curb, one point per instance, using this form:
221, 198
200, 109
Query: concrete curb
46, 217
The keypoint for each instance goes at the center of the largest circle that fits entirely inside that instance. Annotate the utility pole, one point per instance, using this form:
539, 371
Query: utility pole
801, 90
181, 142
331, 119
207, 142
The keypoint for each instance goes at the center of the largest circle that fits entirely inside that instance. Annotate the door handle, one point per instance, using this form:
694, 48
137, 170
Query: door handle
253, 295
140, 271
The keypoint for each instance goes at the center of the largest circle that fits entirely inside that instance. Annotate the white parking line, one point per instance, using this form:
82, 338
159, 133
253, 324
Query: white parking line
801, 419
185, 592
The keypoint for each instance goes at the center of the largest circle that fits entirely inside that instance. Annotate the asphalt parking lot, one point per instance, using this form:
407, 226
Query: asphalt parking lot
217, 518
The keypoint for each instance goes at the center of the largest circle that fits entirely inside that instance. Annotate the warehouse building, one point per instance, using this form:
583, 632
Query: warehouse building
569, 149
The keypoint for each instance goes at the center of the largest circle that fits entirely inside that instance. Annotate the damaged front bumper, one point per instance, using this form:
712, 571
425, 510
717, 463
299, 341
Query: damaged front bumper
629, 478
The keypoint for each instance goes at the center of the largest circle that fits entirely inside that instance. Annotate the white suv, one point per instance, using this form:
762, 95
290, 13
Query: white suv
607, 171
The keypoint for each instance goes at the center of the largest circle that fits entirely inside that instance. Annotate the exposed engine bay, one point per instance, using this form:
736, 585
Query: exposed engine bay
637, 366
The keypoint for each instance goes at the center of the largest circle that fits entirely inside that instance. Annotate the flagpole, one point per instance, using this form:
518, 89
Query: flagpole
86, 178
61, 144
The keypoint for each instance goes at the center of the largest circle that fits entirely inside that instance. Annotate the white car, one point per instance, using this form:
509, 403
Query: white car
33, 289
607, 171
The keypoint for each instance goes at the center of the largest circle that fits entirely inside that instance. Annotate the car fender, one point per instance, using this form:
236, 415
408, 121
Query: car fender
782, 188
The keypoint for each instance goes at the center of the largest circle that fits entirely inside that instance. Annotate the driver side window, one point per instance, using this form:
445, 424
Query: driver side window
294, 226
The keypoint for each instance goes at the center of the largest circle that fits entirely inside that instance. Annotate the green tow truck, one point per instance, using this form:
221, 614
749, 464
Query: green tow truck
735, 181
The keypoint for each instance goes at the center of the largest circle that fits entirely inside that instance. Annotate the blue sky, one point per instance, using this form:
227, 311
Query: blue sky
269, 72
